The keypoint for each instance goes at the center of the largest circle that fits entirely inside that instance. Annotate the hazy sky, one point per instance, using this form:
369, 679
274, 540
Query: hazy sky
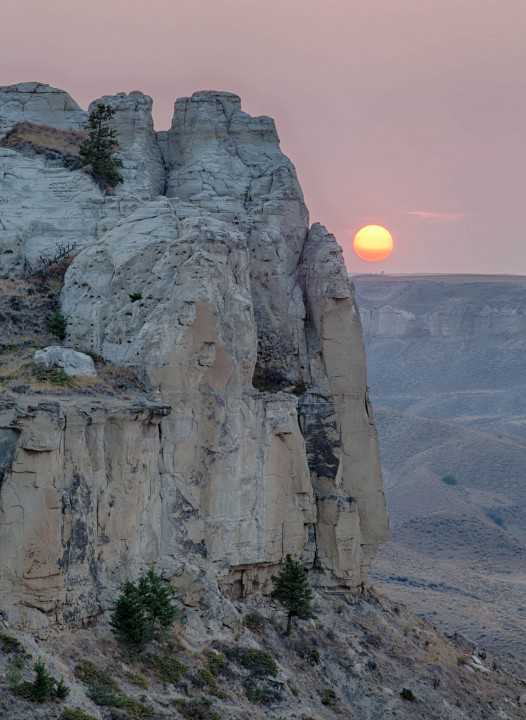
406, 113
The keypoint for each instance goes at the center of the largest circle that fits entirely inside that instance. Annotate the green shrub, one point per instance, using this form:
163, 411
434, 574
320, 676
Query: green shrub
144, 608
258, 662
102, 688
136, 710
106, 696
308, 652
260, 693
134, 297
167, 668
138, 680
291, 589
255, 622
197, 709
88, 673
9, 644
449, 480
216, 662
57, 325
328, 697
254, 693
75, 714
15, 670
61, 690
98, 150
207, 679
110, 695
54, 375
43, 688
407, 694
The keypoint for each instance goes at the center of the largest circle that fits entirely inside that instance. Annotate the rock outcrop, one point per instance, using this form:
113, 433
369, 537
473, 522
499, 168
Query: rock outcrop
200, 273
73, 363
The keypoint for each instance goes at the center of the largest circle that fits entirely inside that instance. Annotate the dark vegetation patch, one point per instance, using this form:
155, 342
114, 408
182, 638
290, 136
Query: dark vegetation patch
53, 376
262, 693
201, 709
255, 622
104, 691
57, 324
258, 662
407, 694
75, 714
328, 697
9, 644
44, 687
166, 667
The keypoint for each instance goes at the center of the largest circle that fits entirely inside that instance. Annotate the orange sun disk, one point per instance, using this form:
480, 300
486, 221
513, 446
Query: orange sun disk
373, 243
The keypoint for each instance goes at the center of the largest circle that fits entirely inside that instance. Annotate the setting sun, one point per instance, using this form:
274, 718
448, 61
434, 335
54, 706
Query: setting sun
373, 243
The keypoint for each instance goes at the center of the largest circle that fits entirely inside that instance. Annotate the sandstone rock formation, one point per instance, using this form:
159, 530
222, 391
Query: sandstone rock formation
199, 273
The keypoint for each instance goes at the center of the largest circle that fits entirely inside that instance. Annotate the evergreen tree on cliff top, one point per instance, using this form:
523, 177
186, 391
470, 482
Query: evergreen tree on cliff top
98, 150
291, 589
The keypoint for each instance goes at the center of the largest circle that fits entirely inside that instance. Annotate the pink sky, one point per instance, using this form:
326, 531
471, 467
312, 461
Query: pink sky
406, 113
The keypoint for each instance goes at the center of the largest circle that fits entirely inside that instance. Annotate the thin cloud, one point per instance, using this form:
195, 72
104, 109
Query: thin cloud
436, 216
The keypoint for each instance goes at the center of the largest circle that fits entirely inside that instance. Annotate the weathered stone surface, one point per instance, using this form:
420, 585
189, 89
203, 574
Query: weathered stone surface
338, 409
143, 168
223, 162
242, 322
81, 506
44, 204
74, 364
39, 103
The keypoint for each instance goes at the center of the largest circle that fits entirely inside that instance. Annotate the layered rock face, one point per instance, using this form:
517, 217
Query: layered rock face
202, 275
45, 206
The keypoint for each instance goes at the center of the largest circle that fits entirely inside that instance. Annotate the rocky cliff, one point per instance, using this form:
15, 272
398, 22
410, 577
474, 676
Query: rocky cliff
252, 436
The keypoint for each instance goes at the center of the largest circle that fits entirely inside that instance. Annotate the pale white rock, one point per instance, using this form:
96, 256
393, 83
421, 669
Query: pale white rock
81, 505
237, 481
39, 103
74, 364
143, 167
222, 161
44, 205
242, 322
337, 416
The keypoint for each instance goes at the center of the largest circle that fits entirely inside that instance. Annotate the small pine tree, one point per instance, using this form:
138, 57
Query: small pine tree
291, 589
129, 620
143, 608
61, 690
43, 687
157, 596
98, 149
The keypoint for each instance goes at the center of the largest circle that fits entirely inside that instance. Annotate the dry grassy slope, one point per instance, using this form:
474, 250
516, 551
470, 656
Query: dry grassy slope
352, 661
451, 401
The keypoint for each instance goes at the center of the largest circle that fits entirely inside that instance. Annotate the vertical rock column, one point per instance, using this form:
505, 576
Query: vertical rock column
337, 420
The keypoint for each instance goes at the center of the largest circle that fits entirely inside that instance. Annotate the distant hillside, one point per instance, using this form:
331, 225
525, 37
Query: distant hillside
447, 372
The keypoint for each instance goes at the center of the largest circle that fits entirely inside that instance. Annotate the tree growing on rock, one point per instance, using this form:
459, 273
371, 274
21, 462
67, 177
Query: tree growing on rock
143, 609
292, 590
99, 148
